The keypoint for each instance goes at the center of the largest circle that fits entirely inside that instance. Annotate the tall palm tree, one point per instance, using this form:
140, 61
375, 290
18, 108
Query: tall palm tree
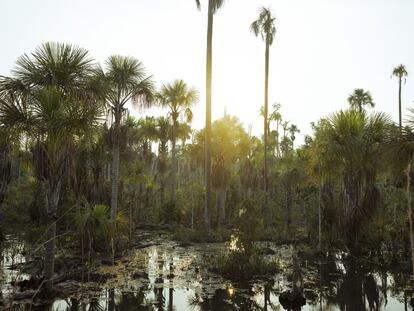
265, 27
52, 99
125, 81
360, 98
213, 6
401, 73
179, 99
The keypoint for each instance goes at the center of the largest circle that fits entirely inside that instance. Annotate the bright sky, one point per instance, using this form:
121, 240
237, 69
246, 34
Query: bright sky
322, 51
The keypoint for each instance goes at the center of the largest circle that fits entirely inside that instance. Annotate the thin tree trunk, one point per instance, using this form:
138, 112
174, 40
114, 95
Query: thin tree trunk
320, 213
5, 168
115, 170
162, 191
399, 103
265, 186
221, 201
209, 62
115, 182
52, 199
174, 163
410, 218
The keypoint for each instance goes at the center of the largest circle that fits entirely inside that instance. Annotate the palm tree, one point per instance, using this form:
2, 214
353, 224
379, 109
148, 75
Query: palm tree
125, 82
179, 99
401, 73
349, 144
163, 135
293, 129
264, 26
53, 100
277, 117
401, 149
213, 6
360, 98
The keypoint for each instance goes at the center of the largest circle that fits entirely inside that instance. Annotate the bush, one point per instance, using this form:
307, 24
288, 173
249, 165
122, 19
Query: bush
18, 199
241, 263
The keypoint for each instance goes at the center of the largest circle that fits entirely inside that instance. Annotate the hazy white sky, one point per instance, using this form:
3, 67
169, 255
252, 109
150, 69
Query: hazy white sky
323, 48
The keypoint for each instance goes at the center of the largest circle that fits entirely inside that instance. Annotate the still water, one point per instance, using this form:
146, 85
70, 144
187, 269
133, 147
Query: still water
167, 276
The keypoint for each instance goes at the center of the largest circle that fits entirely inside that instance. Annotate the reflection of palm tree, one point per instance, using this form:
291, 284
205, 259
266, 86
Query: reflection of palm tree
371, 292
111, 299
171, 298
95, 305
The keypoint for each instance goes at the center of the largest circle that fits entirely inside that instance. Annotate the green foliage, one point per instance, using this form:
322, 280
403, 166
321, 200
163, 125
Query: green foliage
18, 199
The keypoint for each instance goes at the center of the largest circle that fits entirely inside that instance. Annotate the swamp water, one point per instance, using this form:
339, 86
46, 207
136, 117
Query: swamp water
163, 275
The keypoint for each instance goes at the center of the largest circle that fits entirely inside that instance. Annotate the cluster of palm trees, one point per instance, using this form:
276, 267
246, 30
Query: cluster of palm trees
61, 106
57, 98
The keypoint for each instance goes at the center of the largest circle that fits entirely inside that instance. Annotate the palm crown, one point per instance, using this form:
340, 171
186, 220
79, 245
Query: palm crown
360, 98
400, 71
264, 26
217, 4
179, 98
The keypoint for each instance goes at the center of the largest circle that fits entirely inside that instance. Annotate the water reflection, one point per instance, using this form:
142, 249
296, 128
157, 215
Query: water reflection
174, 278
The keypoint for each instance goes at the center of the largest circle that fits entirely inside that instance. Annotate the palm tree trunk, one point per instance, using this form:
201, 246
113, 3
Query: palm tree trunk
320, 213
115, 169
410, 217
209, 62
399, 103
265, 208
52, 199
162, 191
5, 166
221, 205
174, 162
277, 140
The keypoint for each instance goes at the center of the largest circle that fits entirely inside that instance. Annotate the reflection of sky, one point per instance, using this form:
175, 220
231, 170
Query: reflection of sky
187, 284
12, 254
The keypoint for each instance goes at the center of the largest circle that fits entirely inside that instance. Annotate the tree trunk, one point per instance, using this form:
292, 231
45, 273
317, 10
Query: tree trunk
115, 182
209, 63
409, 208
52, 200
5, 168
221, 205
115, 169
399, 103
174, 162
162, 191
265, 186
320, 213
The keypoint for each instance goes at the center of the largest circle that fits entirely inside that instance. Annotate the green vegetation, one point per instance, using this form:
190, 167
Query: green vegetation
75, 163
